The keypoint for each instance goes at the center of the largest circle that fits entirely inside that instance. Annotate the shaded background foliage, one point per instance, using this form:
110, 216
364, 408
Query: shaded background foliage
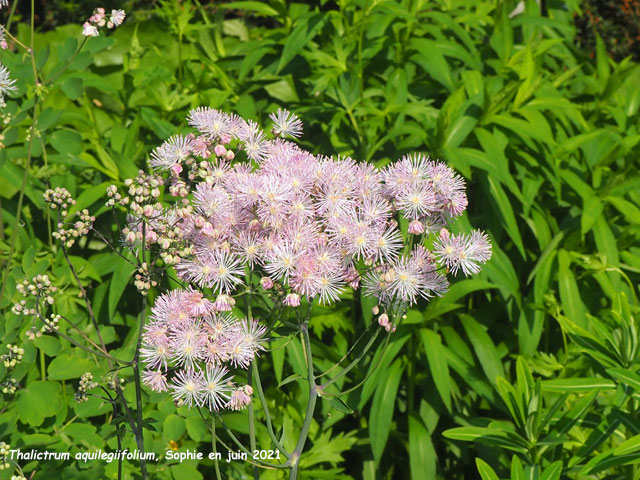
536, 360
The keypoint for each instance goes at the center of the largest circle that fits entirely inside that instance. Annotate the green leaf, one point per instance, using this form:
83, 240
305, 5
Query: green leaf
196, 428
506, 210
626, 376
258, 7
382, 409
629, 446
422, 455
37, 401
437, 358
484, 348
485, 471
27, 258
307, 28
66, 367
66, 141
552, 472
173, 427
119, 282
561, 385
48, 344
569, 293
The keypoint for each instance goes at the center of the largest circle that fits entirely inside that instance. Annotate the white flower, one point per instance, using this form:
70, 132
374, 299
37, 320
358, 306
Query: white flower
89, 30
116, 18
6, 84
286, 123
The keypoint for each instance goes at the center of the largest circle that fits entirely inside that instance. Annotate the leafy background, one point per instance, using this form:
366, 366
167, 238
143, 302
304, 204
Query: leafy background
529, 370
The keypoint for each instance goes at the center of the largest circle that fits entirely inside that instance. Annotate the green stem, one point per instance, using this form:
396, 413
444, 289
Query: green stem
252, 428
354, 362
311, 405
43, 371
214, 447
267, 415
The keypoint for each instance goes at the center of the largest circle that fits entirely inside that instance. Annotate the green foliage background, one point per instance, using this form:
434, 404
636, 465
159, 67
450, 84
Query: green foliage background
528, 370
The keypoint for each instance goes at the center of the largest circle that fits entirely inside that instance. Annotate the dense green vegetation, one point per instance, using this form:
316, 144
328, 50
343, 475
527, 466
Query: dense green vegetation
528, 370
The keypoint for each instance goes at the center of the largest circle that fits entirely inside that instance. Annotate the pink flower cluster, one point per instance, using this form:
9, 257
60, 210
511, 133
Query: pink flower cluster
193, 343
251, 203
100, 19
313, 223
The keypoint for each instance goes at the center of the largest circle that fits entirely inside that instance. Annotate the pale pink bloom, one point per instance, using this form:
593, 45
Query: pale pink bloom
292, 300
155, 380
383, 320
240, 398
463, 251
116, 18
286, 123
172, 152
89, 30
188, 343
416, 227
224, 303
215, 388
187, 387
266, 283
155, 356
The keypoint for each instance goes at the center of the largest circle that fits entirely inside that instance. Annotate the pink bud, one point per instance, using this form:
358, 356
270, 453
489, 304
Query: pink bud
176, 168
416, 227
266, 283
383, 320
292, 300
220, 150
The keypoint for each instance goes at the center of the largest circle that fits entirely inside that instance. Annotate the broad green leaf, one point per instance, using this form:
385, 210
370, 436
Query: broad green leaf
552, 472
585, 384
485, 471
626, 376
306, 29
382, 409
569, 292
67, 366
37, 401
261, 8
437, 358
629, 446
119, 281
173, 427
506, 210
484, 348
422, 455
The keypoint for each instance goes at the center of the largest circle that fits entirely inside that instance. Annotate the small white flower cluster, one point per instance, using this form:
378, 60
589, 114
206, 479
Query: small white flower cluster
4, 455
143, 280
40, 287
9, 386
79, 228
13, 356
145, 190
50, 327
100, 19
115, 197
383, 319
86, 384
59, 197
